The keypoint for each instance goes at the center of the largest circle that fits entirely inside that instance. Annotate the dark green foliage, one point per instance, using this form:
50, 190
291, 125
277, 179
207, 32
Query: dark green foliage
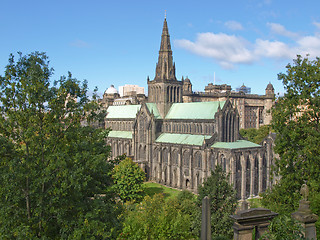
223, 203
256, 135
187, 201
283, 227
296, 120
128, 178
185, 195
155, 218
283, 198
54, 176
221, 238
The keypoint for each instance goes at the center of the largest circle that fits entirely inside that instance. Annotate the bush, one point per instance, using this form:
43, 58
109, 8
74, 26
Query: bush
129, 178
155, 218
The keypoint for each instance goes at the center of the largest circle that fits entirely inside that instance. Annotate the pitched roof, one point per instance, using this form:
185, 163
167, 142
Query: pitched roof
235, 145
124, 111
153, 109
194, 110
182, 138
120, 134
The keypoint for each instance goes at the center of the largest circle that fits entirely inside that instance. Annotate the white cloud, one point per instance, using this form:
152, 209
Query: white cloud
272, 49
309, 45
227, 50
79, 44
233, 25
230, 50
281, 30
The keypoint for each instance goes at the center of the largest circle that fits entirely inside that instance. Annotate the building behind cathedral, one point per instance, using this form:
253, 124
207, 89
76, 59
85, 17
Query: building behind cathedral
178, 136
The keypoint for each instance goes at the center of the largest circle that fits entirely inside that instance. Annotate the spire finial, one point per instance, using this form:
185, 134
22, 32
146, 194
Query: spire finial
165, 14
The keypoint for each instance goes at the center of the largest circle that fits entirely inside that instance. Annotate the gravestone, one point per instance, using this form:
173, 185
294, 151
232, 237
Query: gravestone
246, 221
206, 219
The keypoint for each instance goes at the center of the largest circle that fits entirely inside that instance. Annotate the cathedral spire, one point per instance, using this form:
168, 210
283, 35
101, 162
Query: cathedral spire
165, 38
165, 69
165, 89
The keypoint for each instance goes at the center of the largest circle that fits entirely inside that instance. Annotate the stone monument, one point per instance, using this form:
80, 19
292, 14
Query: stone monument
305, 216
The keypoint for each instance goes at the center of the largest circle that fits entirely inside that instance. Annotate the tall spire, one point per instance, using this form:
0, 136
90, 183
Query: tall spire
165, 89
165, 69
165, 38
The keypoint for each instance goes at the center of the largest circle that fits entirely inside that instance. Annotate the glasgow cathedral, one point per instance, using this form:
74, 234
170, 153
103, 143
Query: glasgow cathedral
178, 141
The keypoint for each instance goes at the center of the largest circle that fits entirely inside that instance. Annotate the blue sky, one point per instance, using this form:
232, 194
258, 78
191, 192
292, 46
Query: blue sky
117, 42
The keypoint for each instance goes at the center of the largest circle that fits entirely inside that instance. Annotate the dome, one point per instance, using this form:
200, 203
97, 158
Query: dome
243, 87
269, 87
111, 90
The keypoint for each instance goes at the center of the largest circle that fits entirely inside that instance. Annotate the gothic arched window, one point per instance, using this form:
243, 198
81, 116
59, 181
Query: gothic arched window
212, 161
223, 162
174, 157
165, 156
186, 158
198, 160
142, 128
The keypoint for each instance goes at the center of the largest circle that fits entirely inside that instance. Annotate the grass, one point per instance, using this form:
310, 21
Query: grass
153, 188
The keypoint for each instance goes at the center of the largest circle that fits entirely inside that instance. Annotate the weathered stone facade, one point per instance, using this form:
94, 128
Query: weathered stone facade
178, 143
253, 109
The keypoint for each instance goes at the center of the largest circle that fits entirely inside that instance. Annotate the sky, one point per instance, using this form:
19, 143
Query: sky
117, 42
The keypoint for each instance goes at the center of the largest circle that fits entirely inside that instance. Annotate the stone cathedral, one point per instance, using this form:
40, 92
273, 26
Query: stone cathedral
178, 143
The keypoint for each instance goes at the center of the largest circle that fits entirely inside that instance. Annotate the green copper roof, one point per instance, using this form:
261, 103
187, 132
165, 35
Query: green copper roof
124, 111
235, 145
153, 109
194, 110
182, 138
120, 134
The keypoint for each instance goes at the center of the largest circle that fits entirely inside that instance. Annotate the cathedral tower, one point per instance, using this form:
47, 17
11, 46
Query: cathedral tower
165, 89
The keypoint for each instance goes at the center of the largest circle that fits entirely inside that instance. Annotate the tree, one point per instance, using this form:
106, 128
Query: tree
129, 178
256, 135
155, 218
223, 203
54, 176
284, 227
295, 119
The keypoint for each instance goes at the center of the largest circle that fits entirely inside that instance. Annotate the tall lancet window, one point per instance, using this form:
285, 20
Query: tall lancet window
142, 129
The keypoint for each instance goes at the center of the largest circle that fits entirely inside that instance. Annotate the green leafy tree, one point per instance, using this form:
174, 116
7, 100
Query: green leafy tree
223, 203
283, 227
54, 176
188, 202
128, 178
256, 135
155, 218
296, 120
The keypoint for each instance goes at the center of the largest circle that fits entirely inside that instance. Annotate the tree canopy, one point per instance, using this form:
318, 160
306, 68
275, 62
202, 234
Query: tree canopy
223, 203
295, 119
155, 218
128, 178
256, 135
54, 176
